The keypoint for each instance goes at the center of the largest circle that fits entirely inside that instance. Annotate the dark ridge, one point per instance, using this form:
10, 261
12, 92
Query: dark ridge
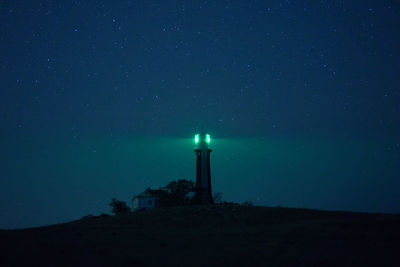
215, 235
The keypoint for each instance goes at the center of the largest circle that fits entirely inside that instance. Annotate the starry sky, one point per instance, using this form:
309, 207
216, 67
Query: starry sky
101, 99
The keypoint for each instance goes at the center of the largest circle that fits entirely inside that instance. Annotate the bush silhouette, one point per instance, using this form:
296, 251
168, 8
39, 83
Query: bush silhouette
119, 207
179, 191
217, 197
174, 193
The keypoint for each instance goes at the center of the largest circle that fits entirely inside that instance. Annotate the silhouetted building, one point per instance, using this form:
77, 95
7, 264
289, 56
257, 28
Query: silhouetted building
144, 201
203, 173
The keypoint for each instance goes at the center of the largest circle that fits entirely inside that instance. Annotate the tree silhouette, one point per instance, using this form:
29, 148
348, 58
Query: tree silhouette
119, 207
179, 191
174, 193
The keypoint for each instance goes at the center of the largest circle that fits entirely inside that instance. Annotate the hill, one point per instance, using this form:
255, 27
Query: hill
222, 235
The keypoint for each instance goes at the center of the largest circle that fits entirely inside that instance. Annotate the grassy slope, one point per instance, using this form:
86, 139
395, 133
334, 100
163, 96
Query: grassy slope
214, 235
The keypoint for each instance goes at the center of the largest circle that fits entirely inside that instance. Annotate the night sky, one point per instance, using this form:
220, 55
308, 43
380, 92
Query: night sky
101, 99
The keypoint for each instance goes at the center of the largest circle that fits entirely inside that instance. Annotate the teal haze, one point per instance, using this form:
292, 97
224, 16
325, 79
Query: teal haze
101, 100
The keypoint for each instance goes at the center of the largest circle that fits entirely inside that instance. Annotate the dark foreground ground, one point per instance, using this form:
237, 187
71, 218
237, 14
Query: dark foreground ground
210, 236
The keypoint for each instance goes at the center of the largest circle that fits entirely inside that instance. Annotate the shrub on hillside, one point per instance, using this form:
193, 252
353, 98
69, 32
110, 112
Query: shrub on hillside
174, 193
119, 207
217, 197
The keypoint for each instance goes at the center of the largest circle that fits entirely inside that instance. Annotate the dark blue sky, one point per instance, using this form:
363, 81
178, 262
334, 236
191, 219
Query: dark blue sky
101, 99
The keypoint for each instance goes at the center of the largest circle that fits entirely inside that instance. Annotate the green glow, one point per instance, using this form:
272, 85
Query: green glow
196, 138
208, 138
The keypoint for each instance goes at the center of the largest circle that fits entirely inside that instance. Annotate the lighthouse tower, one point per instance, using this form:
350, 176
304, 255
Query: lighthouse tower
203, 174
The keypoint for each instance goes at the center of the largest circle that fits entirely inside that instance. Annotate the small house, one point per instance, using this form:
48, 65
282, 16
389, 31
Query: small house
144, 201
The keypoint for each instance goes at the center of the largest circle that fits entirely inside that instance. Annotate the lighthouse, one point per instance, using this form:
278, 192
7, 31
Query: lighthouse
203, 173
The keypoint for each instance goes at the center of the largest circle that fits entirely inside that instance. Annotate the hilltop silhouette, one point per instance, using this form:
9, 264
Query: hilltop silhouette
213, 235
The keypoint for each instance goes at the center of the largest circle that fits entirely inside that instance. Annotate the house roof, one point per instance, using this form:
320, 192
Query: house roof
144, 195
